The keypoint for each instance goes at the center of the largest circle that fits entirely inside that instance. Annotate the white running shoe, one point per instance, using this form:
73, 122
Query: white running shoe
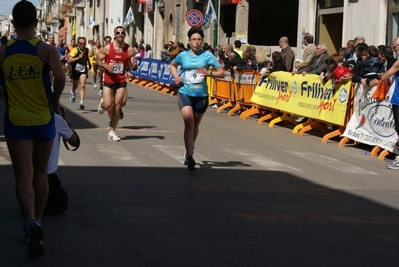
113, 137
81, 105
100, 93
95, 86
100, 109
72, 96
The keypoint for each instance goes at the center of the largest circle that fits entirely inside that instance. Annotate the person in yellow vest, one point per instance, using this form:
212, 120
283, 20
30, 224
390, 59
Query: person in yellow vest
80, 64
237, 47
96, 71
29, 124
89, 46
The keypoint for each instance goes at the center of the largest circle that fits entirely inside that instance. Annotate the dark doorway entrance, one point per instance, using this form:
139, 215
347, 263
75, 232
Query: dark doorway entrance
269, 20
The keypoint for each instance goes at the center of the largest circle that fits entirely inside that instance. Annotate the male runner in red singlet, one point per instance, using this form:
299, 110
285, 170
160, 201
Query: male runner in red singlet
115, 58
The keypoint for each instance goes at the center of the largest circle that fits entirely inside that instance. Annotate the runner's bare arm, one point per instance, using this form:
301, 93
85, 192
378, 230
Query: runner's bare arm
132, 60
100, 59
391, 71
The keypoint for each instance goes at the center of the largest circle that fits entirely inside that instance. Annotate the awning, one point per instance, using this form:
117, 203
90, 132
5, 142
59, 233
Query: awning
229, 2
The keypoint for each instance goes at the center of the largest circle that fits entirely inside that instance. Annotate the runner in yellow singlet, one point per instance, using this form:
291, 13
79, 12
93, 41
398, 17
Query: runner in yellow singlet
29, 127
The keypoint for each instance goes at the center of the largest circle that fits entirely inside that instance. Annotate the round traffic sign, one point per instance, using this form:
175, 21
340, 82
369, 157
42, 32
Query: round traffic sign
194, 18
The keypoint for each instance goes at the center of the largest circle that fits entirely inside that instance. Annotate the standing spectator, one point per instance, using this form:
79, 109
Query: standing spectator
308, 54
246, 63
394, 70
278, 63
344, 58
173, 51
358, 40
79, 59
334, 71
252, 61
318, 65
350, 45
148, 51
182, 48
227, 50
218, 53
367, 66
287, 53
64, 130
234, 62
142, 42
51, 40
115, 58
386, 56
193, 94
141, 51
261, 58
237, 47
164, 57
29, 127
206, 47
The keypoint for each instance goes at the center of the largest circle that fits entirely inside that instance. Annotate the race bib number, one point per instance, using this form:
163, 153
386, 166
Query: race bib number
80, 67
192, 76
118, 68
62, 57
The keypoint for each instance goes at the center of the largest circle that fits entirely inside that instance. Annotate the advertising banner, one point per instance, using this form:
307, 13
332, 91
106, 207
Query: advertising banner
154, 70
372, 121
304, 96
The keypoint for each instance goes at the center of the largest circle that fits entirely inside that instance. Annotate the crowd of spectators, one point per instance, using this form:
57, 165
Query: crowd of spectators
357, 61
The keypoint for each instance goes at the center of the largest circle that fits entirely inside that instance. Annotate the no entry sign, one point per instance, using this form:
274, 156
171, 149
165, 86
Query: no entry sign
194, 18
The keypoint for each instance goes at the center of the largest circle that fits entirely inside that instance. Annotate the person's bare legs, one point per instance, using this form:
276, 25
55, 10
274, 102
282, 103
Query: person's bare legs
82, 83
75, 84
95, 77
41, 156
30, 170
119, 100
108, 100
191, 128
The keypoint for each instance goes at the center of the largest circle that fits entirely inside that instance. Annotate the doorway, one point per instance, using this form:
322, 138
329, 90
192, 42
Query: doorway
329, 24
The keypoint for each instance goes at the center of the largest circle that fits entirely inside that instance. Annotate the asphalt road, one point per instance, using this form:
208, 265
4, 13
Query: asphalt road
260, 197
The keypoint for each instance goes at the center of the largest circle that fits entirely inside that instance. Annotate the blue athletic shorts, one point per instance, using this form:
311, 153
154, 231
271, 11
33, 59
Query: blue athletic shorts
199, 104
39, 134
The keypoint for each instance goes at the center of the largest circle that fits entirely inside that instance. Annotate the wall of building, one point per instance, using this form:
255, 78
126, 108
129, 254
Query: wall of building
367, 18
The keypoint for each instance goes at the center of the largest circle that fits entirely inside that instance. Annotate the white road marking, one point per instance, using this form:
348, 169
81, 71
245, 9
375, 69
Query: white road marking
266, 163
177, 152
4, 155
119, 156
332, 163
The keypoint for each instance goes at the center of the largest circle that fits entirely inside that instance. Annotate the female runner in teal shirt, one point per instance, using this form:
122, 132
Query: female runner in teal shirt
193, 94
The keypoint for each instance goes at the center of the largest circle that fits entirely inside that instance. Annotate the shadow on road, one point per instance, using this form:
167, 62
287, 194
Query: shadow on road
120, 216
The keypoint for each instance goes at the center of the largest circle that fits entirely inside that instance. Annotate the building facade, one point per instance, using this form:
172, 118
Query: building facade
255, 22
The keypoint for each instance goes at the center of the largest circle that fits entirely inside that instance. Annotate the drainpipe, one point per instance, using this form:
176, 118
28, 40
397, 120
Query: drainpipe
153, 46
133, 4
216, 24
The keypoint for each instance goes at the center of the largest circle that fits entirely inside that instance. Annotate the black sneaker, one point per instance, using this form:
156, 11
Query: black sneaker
35, 235
190, 162
121, 115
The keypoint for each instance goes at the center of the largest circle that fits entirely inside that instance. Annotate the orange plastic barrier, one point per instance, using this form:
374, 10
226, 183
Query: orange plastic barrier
244, 83
223, 92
